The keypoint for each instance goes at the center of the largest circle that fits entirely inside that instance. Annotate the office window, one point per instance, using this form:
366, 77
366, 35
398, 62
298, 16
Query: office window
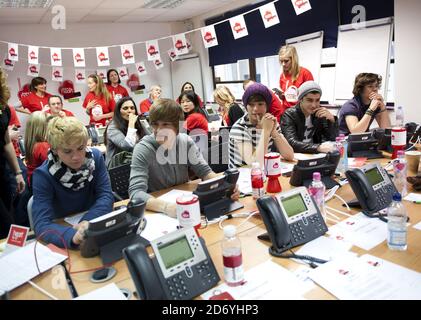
238, 71
268, 71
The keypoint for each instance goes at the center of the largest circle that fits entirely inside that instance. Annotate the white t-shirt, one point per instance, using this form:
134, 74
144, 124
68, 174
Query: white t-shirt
308, 130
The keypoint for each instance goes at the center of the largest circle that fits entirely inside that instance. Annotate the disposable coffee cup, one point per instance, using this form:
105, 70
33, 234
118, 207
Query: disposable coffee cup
413, 160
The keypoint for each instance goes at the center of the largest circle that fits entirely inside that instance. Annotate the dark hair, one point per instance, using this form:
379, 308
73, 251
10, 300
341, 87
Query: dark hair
258, 98
121, 123
166, 110
182, 87
364, 79
36, 82
108, 76
55, 96
193, 98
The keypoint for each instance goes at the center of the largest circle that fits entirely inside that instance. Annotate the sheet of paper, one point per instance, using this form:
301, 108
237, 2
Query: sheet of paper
360, 231
157, 225
354, 279
417, 226
413, 197
267, 281
286, 167
108, 292
244, 181
20, 267
172, 195
74, 220
307, 156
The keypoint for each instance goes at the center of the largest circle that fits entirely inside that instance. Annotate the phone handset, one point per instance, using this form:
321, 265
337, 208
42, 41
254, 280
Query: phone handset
363, 189
143, 273
275, 222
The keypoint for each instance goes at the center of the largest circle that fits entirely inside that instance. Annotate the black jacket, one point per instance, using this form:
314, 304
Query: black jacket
293, 126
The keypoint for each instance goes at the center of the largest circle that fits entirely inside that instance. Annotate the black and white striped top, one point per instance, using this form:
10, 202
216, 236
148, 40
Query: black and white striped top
244, 131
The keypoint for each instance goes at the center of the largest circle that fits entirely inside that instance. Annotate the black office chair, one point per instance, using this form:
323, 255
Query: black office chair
119, 177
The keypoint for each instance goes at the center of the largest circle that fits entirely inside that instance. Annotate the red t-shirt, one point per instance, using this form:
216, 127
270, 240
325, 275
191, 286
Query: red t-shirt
102, 107
39, 155
67, 112
277, 107
34, 103
290, 88
117, 92
14, 121
145, 105
196, 121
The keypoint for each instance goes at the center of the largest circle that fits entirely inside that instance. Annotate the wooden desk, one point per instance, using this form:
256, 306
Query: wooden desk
255, 251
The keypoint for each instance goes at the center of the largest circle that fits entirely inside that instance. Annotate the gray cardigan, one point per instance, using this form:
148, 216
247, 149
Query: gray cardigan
116, 142
154, 169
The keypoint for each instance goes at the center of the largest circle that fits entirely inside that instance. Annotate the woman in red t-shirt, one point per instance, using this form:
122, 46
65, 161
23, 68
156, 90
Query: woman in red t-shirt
36, 145
37, 98
292, 76
194, 118
114, 87
188, 86
98, 102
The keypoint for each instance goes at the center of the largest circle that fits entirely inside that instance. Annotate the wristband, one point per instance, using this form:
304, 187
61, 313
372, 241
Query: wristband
18, 173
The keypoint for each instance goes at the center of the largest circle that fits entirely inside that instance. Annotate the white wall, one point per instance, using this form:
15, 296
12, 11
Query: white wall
88, 35
407, 55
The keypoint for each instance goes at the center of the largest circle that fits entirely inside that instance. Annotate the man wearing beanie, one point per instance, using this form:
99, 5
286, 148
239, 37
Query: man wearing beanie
307, 125
257, 132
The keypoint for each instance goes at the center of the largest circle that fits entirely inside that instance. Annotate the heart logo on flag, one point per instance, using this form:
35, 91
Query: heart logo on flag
55, 57
8, 62
141, 69
238, 28
123, 73
102, 57
172, 54
32, 55
127, 54
78, 57
179, 45
12, 52
152, 51
208, 37
57, 74
300, 3
269, 16
79, 76
33, 69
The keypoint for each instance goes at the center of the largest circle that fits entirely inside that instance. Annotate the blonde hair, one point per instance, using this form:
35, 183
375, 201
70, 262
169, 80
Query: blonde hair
224, 94
65, 132
4, 90
289, 51
36, 131
101, 89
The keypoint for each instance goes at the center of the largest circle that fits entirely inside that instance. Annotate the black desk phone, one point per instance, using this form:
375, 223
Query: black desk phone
292, 218
372, 186
179, 268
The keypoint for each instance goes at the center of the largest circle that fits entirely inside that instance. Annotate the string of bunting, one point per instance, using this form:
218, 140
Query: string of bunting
180, 46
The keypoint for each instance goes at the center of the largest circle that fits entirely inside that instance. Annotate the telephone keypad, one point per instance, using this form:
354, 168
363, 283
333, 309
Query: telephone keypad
384, 196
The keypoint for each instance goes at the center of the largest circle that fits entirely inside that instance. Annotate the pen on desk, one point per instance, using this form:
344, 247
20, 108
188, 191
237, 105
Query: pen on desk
417, 202
42, 290
70, 284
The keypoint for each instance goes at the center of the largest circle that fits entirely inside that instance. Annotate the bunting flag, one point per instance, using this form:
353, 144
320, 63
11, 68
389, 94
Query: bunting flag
152, 50
301, 6
158, 64
55, 54
141, 68
269, 15
8, 64
13, 51
189, 46
33, 70
127, 53
180, 44
80, 76
238, 27
57, 74
172, 54
209, 36
79, 57
33, 54
102, 56
122, 72
102, 73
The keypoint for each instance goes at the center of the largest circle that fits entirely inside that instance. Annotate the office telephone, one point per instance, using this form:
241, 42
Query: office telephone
292, 218
372, 186
178, 268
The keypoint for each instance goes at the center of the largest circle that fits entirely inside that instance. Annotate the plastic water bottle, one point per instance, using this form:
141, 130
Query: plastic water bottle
340, 148
257, 181
396, 224
317, 191
399, 117
232, 257
400, 172
345, 157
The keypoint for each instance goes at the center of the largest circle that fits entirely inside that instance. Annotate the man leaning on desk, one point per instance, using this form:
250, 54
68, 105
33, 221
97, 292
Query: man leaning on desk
164, 158
73, 179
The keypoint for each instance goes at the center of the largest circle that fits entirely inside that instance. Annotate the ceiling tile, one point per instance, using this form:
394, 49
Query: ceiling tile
78, 4
126, 4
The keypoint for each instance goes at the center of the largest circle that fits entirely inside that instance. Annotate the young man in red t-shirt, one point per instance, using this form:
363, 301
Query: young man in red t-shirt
55, 104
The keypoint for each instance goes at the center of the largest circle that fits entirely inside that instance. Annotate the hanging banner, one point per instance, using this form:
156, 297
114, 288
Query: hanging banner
57, 74
122, 72
238, 27
80, 75
13, 51
33, 54
102, 73
172, 54
79, 57
189, 46
33, 70
180, 44
127, 53
269, 15
301, 6
141, 68
158, 64
102, 56
55, 54
209, 36
152, 50
7, 64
